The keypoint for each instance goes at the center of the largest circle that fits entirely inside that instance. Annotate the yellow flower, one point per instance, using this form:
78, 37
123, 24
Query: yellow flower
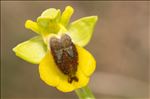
52, 75
65, 65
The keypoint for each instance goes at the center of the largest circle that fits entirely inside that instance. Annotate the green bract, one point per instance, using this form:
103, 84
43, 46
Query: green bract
51, 22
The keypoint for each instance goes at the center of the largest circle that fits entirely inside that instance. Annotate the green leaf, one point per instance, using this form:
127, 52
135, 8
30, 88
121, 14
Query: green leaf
81, 30
66, 15
32, 50
50, 15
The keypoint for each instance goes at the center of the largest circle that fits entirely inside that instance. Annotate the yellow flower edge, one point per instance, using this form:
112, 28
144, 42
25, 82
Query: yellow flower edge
51, 74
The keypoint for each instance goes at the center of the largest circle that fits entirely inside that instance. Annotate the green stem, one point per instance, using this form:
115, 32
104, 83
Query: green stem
85, 93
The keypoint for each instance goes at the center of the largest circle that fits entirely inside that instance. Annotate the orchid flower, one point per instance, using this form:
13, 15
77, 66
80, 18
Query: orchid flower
58, 49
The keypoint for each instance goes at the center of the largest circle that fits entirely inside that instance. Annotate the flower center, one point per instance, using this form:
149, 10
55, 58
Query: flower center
65, 56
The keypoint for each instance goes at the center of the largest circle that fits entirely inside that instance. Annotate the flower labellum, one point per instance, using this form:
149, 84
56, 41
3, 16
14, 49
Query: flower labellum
65, 56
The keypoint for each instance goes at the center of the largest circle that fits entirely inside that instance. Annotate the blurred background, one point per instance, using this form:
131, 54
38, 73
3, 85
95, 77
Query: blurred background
119, 44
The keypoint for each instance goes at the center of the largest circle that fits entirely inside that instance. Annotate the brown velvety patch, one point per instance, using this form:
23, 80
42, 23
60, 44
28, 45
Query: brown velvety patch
65, 55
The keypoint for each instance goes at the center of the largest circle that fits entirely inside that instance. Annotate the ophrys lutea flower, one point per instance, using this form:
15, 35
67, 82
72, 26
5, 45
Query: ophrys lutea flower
58, 49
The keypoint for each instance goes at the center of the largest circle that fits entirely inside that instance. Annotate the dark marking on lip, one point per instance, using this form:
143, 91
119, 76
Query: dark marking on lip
65, 56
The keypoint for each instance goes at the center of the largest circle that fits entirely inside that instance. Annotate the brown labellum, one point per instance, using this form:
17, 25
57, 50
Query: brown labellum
65, 56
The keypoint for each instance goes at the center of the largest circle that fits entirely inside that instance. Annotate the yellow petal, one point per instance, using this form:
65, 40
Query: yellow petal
48, 71
64, 86
83, 80
66, 15
29, 24
87, 63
